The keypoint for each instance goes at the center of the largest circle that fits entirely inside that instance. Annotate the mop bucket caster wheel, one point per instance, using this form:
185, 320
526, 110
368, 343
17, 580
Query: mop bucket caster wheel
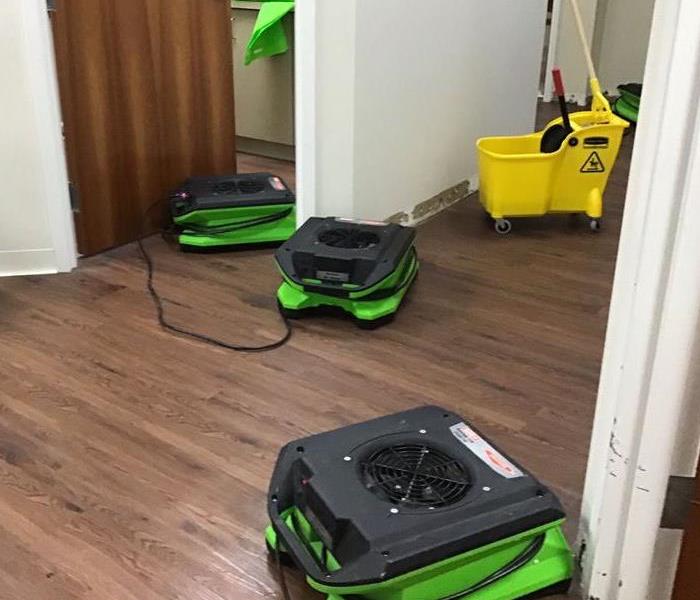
595, 225
502, 226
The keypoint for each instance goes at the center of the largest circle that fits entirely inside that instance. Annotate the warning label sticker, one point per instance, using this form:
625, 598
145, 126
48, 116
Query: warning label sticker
593, 164
485, 451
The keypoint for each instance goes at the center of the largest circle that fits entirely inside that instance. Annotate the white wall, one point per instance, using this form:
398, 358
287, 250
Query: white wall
622, 39
335, 85
567, 51
404, 89
36, 234
618, 33
431, 78
324, 102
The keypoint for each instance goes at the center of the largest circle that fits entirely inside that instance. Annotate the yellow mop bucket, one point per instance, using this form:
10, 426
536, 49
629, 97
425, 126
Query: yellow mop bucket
563, 169
518, 180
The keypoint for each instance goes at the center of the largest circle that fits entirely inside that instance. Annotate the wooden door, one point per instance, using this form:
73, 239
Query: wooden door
147, 98
687, 586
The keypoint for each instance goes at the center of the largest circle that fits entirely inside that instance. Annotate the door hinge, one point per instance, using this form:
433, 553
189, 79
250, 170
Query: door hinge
74, 198
680, 499
51, 5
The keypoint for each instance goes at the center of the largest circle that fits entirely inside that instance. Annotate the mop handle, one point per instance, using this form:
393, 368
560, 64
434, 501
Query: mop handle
582, 34
559, 91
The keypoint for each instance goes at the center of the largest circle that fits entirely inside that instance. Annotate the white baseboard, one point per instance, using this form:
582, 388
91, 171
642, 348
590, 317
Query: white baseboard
435, 205
27, 262
580, 98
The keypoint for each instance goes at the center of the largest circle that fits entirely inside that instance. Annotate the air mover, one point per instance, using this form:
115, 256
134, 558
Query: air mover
627, 105
252, 208
362, 267
415, 506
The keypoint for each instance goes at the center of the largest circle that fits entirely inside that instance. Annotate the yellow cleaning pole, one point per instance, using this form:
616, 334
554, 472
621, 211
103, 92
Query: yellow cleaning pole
584, 40
600, 102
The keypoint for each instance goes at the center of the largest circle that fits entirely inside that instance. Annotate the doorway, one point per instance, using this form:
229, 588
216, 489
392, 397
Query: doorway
135, 125
264, 90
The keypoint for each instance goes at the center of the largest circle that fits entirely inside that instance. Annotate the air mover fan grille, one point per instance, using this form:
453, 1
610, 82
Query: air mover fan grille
225, 187
242, 186
348, 238
415, 476
250, 186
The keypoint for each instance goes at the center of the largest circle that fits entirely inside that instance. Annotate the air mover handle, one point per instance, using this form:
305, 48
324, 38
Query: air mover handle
559, 89
293, 546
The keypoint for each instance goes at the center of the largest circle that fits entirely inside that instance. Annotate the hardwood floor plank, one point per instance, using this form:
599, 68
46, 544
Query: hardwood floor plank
134, 463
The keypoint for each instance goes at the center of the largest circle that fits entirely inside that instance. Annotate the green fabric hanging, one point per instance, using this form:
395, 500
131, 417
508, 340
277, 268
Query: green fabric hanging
268, 37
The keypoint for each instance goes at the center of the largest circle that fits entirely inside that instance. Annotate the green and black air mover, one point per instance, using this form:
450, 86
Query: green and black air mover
415, 506
215, 212
627, 105
362, 267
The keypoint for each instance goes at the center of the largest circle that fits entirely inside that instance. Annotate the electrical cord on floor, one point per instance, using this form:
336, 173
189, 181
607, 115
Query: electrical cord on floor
165, 324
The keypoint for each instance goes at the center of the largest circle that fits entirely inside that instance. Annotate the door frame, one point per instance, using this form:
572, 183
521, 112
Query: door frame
305, 28
652, 335
47, 108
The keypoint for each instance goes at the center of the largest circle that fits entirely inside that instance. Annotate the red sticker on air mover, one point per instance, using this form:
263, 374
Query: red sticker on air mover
277, 184
485, 451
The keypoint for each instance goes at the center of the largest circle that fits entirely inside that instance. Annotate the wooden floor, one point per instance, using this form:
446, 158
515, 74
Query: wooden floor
134, 464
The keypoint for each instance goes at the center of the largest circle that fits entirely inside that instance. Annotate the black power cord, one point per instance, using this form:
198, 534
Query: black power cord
517, 563
195, 229
165, 324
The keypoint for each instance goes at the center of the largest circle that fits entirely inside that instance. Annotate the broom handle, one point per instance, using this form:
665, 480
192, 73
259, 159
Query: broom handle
584, 41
